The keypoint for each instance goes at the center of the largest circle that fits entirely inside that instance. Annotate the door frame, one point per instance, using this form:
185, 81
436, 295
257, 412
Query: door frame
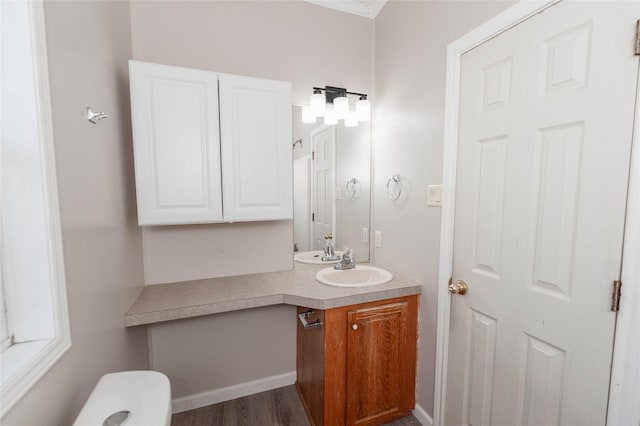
309, 198
626, 366
312, 134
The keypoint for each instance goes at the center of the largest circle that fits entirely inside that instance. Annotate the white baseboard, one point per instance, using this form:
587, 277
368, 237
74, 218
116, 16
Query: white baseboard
215, 396
422, 416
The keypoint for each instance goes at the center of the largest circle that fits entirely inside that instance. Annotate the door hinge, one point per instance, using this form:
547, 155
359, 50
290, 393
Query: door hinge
637, 49
313, 155
313, 217
615, 296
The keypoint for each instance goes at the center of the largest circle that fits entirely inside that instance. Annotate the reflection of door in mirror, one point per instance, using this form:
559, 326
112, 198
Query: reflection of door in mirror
323, 141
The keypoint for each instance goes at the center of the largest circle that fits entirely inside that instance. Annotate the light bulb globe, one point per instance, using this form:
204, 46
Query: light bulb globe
317, 103
363, 110
308, 116
341, 107
330, 118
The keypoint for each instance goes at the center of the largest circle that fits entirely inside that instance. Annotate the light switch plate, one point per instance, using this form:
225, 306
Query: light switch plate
378, 239
434, 195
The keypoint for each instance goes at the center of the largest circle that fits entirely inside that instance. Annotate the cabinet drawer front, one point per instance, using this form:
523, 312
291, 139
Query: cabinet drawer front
255, 124
176, 144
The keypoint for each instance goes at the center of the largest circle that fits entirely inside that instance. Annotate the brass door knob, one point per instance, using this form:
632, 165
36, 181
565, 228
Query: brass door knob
459, 287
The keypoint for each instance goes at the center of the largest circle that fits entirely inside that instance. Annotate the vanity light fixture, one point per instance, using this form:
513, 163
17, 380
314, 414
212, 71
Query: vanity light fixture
351, 120
363, 109
308, 116
330, 118
317, 103
341, 106
338, 108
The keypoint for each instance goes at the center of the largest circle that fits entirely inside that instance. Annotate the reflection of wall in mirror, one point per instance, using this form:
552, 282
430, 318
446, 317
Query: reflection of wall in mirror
352, 214
353, 161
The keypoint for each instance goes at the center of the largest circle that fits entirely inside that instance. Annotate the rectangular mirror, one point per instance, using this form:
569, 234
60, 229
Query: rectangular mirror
331, 185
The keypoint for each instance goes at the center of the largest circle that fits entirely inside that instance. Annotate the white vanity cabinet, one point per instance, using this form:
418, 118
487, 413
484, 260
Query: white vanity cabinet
209, 147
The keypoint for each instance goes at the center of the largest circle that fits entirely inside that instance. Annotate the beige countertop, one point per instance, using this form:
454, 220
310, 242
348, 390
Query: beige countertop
298, 287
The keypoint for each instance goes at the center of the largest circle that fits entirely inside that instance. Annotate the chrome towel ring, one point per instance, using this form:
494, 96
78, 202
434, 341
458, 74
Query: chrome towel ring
394, 187
352, 188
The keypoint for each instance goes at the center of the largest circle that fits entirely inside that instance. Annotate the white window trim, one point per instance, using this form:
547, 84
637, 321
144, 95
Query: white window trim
30, 370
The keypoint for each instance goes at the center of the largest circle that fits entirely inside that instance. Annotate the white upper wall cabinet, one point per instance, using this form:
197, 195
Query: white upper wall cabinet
176, 144
181, 175
255, 128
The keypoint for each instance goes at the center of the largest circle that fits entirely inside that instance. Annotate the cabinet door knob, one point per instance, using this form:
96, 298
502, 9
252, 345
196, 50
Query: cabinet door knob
354, 326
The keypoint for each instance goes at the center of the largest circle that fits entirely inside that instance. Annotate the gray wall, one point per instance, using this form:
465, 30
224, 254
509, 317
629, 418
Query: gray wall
282, 40
88, 46
410, 56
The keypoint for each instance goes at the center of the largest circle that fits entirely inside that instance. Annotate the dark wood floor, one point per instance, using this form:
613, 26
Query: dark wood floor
278, 407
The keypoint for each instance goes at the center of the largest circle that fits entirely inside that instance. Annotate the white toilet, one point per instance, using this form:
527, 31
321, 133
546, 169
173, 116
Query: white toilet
128, 398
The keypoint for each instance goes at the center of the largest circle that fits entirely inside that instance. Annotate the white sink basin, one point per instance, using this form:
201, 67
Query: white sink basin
315, 257
360, 276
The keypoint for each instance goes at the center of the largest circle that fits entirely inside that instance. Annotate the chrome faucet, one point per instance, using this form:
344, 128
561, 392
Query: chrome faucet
347, 261
329, 252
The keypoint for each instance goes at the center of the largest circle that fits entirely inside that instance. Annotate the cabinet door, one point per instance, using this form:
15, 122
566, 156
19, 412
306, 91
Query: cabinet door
380, 363
255, 127
176, 144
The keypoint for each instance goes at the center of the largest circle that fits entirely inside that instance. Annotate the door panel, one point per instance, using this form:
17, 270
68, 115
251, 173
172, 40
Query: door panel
481, 365
546, 113
323, 141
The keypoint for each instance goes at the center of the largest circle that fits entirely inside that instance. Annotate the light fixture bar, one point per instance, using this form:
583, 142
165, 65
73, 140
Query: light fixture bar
333, 92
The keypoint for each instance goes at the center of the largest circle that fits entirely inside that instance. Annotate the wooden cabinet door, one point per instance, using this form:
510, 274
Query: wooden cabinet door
255, 128
381, 361
176, 144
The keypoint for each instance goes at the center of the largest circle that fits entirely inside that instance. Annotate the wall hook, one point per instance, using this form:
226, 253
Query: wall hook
94, 117
299, 141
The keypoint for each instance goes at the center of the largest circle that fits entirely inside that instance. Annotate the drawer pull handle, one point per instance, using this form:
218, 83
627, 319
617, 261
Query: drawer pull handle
316, 325
354, 326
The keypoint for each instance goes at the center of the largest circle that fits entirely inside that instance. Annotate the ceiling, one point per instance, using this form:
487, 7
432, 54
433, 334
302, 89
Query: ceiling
366, 8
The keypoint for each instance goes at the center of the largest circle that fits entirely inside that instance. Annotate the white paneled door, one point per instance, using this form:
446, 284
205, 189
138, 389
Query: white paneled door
323, 141
546, 114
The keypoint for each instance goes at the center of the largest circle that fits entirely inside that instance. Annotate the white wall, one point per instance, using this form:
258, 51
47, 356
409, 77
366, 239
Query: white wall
282, 40
88, 46
410, 54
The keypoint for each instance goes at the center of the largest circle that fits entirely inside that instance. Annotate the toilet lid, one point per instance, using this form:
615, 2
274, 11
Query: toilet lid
131, 398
